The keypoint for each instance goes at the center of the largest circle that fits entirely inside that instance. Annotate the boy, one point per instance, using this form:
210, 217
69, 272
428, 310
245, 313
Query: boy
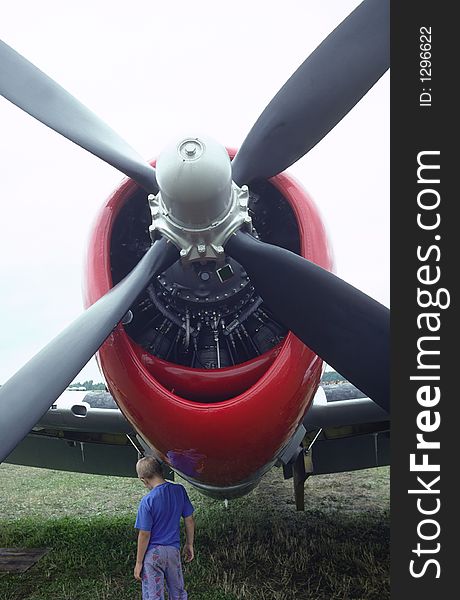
158, 522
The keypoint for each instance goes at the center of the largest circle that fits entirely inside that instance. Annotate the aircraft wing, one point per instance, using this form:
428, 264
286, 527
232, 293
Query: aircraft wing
344, 430
85, 431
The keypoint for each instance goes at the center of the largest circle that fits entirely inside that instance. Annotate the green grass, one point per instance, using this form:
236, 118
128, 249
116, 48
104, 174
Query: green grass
257, 548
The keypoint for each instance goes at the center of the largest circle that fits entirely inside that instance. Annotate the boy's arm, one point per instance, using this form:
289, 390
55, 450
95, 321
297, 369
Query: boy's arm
189, 537
142, 543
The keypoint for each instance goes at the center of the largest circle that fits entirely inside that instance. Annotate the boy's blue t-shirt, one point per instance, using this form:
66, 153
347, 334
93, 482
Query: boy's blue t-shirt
160, 512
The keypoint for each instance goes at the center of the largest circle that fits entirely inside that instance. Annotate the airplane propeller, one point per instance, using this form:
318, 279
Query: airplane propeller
37, 94
319, 94
338, 322
341, 324
27, 395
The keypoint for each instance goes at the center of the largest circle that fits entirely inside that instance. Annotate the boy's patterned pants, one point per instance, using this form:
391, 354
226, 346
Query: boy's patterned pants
160, 563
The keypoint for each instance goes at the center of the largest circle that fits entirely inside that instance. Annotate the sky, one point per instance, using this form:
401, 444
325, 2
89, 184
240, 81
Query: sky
158, 71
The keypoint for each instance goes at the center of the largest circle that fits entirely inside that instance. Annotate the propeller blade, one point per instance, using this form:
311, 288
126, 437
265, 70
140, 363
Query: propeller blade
319, 94
341, 324
27, 87
27, 395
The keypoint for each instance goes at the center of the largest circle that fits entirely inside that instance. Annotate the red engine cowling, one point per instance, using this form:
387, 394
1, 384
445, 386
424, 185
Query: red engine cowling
220, 428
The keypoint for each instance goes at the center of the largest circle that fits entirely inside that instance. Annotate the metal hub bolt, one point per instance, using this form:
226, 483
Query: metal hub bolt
191, 149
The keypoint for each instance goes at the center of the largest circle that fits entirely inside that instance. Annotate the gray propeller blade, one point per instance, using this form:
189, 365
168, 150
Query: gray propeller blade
26, 397
341, 324
319, 94
37, 94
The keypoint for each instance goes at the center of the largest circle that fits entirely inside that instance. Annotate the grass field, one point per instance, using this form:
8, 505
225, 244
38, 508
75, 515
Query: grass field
257, 548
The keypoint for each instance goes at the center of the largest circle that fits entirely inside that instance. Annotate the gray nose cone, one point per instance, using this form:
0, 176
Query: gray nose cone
195, 181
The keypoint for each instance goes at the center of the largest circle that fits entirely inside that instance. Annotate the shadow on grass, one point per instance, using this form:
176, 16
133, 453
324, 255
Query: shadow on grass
242, 553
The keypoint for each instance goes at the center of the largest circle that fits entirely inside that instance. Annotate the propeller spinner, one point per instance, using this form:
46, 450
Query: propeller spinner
198, 206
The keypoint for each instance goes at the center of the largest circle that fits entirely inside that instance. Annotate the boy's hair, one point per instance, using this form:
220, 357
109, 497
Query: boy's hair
148, 467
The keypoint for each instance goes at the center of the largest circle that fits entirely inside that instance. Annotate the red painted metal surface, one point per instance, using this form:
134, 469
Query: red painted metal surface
261, 402
206, 385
